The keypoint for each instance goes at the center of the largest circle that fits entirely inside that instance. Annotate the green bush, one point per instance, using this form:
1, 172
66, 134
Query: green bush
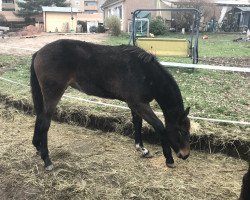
157, 26
100, 29
114, 25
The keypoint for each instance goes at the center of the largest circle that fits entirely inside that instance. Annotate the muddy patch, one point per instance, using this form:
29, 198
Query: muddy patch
234, 62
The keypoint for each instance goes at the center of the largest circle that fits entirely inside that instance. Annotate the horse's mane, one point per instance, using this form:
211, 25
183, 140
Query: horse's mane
138, 52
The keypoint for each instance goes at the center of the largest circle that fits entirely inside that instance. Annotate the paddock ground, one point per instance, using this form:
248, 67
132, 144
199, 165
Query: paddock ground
93, 164
100, 165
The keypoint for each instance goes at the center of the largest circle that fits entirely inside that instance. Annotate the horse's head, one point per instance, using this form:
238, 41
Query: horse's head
178, 135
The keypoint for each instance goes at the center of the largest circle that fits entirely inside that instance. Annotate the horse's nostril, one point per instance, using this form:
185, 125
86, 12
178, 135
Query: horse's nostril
185, 157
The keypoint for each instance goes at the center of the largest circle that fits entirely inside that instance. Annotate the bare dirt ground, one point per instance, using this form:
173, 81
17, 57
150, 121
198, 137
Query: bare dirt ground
28, 45
98, 165
234, 62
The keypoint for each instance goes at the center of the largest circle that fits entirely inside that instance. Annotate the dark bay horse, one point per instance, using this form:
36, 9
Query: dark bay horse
245, 188
126, 73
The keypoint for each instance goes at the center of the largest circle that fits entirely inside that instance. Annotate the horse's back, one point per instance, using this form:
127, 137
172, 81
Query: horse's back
105, 71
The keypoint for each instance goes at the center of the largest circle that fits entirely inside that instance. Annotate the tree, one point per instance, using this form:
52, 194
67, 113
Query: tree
28, 8
185, 19
157, 26
3, 20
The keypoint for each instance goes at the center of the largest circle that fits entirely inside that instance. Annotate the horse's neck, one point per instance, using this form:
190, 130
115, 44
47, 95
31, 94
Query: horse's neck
169, 98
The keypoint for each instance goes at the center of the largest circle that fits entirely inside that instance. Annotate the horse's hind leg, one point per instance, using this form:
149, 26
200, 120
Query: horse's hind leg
51, 96
137, 123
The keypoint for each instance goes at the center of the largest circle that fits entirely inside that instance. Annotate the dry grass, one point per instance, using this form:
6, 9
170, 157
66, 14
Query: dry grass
100, 165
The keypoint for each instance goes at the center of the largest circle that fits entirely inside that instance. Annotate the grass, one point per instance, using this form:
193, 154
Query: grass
218, 45
222, 45
212, 93
209, 93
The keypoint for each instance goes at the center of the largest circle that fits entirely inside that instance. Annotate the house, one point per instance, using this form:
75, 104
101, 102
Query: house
244, 13
65, 19
240, 18
59, 19
7, 5
123, 8
85, 6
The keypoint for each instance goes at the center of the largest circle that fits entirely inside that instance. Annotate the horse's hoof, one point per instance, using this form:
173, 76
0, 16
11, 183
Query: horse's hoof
147, 155
49, 168
170, 165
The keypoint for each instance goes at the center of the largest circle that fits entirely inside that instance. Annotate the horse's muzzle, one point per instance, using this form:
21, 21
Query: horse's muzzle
183, 153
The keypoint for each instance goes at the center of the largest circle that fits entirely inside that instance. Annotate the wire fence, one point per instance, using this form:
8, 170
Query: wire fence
166, 64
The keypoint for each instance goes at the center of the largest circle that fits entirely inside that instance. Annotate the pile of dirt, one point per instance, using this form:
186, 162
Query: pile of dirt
30, 30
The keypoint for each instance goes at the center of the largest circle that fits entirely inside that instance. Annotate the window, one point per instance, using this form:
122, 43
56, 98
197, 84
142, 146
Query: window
120, 12
8, 9
77, 2
90, 3
8, 1
90, 11
109, 12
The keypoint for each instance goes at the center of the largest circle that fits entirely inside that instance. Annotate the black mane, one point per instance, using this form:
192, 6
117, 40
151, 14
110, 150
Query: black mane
138, 52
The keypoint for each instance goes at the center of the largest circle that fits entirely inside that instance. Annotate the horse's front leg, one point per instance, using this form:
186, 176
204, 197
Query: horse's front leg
145, 111
137, 125
167, 152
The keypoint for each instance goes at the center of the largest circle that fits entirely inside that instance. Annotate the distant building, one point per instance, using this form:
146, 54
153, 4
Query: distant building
7, 5
65, 19
123, 8
85, 6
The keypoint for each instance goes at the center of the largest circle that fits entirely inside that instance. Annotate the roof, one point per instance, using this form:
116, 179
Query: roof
110, 2
219, 2
60, 9
233, 2
244, 9
10, 16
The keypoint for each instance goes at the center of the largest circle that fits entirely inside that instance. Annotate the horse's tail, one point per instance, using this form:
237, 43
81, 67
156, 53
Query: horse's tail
35, 89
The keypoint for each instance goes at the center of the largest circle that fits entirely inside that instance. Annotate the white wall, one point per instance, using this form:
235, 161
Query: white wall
113, 10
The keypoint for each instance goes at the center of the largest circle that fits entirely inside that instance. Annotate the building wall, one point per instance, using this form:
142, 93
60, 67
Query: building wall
129, 6
132, 5
55, 21
8, 6
81, 5
116, 10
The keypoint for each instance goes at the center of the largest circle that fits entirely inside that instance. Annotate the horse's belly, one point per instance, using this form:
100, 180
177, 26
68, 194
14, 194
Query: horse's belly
93, 90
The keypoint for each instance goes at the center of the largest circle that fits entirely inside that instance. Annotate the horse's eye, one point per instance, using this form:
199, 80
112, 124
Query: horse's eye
182, 133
